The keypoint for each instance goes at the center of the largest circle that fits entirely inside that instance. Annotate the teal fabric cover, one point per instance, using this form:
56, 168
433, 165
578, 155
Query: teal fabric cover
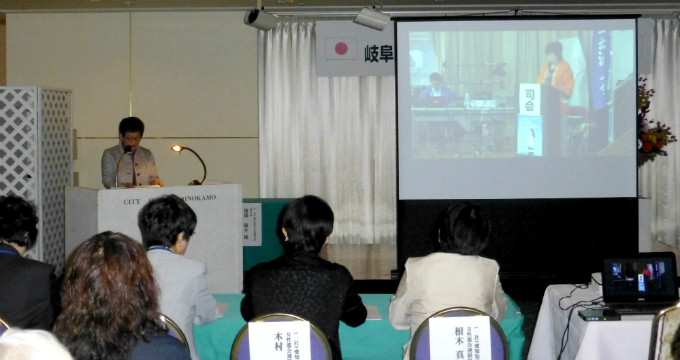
374, 340
271, 245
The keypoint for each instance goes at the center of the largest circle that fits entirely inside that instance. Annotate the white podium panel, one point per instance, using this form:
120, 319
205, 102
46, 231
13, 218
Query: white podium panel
218, 240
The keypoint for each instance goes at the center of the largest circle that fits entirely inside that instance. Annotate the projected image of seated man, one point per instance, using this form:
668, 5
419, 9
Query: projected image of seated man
442, 133
437, 94
479, 117
583, 87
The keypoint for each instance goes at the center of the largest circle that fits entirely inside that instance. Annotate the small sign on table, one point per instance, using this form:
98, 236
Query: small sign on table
460, 338
252, 224
284, 340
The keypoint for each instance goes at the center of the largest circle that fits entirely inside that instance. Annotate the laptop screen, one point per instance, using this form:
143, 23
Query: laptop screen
436, 101
649, 277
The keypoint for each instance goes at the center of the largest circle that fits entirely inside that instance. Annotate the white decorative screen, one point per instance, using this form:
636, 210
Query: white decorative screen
35, 159
55, 165
18, 142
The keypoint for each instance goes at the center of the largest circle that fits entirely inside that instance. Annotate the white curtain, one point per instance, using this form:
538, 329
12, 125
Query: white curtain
660, 179
331, 137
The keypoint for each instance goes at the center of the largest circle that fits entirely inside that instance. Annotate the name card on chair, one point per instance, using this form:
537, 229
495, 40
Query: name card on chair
280, 340
461, 337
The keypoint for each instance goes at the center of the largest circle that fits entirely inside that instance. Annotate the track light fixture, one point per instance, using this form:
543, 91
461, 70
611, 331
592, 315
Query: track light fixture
373, 19
260, 19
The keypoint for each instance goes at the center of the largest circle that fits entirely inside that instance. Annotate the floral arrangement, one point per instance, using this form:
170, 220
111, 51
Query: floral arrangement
652, 136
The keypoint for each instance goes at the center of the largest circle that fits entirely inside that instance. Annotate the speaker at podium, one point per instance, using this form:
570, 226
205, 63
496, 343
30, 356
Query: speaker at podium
218, 239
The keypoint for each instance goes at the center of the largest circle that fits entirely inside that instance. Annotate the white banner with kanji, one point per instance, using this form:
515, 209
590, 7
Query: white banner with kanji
344, 48
281, 340
530, 99
460, 338
252, 224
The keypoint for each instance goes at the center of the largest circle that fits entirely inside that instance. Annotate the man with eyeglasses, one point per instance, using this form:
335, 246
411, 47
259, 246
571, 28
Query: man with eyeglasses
137, 165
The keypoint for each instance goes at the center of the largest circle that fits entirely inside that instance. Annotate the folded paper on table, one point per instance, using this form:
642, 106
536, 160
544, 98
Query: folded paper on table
221, 308
372, 313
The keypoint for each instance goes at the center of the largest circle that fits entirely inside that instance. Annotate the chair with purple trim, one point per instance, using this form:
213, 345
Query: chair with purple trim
174, 330
3, 326
420, 344
664, 328
319, 346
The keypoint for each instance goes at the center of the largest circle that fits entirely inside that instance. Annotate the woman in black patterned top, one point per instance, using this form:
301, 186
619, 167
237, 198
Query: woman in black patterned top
301, 282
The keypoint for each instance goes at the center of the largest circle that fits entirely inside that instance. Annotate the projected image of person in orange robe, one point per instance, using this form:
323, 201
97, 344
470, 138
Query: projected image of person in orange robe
557, 73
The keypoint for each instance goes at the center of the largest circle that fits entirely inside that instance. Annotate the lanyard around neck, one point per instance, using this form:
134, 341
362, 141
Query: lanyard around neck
160, 248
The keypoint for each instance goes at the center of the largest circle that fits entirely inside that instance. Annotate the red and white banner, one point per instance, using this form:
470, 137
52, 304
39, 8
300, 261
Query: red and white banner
341, 48
344, 48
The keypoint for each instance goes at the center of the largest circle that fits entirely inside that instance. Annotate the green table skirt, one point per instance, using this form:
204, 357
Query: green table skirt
374, 340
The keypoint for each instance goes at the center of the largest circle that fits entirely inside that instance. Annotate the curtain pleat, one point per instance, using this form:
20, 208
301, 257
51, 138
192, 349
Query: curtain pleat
660, 179
334, 137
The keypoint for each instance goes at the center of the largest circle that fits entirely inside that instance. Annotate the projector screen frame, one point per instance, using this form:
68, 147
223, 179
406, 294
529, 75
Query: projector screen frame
629, 247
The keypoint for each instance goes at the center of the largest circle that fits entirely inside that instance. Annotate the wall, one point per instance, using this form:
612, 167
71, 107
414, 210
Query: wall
3, 53
658, 246
191, 76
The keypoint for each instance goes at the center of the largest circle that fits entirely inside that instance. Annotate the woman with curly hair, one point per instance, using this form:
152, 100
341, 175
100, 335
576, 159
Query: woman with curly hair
111, 304
29, 294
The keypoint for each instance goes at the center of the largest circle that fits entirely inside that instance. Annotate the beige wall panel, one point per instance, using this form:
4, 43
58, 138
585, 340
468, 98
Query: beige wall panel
87, 53
3, 53
229, 160
195, 74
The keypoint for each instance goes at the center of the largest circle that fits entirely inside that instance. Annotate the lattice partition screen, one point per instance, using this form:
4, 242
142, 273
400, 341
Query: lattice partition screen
35, 159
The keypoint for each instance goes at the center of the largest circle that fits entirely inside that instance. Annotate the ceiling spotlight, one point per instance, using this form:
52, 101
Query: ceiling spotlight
373, 19
260, 19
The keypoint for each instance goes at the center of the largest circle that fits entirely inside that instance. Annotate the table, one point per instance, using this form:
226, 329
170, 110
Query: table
486, 125
596, 340
374, 340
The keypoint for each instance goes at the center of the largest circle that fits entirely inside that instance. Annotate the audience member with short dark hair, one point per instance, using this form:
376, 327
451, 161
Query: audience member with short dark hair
301, 282
111, 304
452, 277
16, 344
167, 223
29, 293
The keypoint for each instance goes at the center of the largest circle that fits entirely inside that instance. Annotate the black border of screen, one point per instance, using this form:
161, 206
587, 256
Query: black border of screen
480, 17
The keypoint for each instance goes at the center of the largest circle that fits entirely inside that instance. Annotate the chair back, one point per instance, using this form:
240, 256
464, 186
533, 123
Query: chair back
320, 349
174, 330
420, 343
664, 327
3, 326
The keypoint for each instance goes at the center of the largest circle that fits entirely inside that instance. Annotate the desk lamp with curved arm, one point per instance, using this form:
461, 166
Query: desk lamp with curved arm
179, 148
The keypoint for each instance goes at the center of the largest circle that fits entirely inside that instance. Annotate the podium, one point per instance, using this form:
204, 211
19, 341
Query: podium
218, 238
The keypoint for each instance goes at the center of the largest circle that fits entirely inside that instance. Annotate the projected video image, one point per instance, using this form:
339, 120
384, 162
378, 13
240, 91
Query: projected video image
640, 277
502, 94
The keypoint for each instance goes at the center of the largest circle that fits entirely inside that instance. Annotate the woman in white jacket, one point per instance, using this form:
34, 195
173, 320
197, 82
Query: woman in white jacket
454, 276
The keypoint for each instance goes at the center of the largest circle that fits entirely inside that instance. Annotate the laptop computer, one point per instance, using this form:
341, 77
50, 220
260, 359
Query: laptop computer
436, 101
644, 284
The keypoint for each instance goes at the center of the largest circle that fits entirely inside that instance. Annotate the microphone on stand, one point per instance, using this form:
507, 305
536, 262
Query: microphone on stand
126, 150
179, 148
